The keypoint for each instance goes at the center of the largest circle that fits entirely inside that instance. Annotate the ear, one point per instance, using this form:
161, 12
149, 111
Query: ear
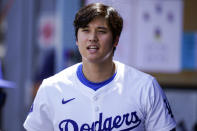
116, 41
76, 43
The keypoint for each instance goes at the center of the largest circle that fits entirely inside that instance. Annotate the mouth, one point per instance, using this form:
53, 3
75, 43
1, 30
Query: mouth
92, 48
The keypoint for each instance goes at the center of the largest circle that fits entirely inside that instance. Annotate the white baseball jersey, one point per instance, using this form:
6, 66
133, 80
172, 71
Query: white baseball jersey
130, 100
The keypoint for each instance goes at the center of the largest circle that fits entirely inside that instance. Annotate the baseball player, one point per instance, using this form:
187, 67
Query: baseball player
99, 94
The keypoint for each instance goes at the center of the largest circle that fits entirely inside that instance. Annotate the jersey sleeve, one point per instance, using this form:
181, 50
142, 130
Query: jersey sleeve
38, 118
159, 114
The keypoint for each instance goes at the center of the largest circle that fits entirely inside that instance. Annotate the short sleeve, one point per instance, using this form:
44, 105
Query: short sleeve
38, 118
159, 114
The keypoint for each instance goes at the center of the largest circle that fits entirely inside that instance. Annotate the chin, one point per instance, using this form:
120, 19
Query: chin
97, 59
92, 60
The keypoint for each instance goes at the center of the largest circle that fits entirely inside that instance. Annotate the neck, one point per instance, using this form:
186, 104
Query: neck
95, 72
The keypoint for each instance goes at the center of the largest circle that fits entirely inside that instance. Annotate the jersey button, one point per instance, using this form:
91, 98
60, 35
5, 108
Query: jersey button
96, 109
95, 98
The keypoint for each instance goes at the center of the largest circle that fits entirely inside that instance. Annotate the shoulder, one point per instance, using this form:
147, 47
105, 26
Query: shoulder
132, 74
65, 76
135, 80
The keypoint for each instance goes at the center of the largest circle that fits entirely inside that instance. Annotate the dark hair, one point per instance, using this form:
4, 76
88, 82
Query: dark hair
87, 13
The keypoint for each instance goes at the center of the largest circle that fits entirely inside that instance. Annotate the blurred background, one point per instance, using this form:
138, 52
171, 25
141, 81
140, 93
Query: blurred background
37, 40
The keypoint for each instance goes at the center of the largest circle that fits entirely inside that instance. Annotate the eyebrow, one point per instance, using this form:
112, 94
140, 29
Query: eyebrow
103, 28
99, 27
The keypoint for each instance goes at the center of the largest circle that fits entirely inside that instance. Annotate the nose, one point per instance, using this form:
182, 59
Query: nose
93, 37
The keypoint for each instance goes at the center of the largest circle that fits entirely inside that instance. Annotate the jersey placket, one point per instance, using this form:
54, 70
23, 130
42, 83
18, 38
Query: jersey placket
96, 108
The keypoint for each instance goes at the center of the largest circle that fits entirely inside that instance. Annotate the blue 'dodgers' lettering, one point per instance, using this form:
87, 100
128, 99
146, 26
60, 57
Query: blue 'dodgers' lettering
65, 124
130, 119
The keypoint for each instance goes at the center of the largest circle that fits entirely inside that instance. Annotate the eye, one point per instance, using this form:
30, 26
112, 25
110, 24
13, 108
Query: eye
102, 31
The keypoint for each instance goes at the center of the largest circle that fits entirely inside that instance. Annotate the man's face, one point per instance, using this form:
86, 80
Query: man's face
95, 41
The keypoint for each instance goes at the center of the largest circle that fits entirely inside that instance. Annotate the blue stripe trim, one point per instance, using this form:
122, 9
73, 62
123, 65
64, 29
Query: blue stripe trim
92, 85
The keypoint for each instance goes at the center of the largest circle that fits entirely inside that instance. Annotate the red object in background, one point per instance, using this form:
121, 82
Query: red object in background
46, 31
